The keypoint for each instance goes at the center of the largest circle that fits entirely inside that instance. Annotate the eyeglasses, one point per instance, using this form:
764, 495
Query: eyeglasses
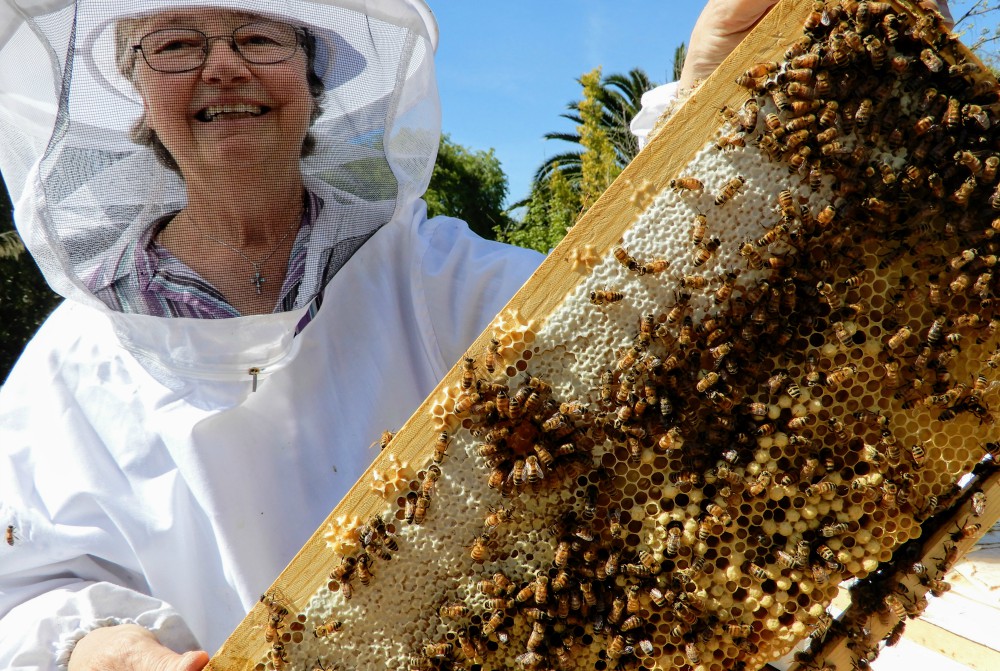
174, 50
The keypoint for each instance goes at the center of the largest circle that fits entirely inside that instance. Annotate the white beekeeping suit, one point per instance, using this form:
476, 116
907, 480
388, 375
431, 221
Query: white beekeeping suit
144, 479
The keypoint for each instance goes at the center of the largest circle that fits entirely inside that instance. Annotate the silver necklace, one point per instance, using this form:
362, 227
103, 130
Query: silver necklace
257, 279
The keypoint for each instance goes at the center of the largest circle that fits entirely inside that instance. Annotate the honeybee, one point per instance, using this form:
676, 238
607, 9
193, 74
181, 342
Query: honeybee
654, 267
410, 507
831, 530
960, 284
826, 216
723, 293
772, 235
454, 611
686, 184
625, 259
604, 297
829, 557
422, 504
673, 543
465, 402
680, 306
534, 473
441, 447
898, 339
9, 535
821, 488
753, 258
730, 141
561, 555
364, 573
840, 375
777, 382
990, 166
694, 282
937, 587
758, 572
383, 441
820, 574
278, 657
799, 423
759, 70
769, 145
479, 551
706, 251
493, 624
730, 189
329, 627
706, 382
431, 477
438, 650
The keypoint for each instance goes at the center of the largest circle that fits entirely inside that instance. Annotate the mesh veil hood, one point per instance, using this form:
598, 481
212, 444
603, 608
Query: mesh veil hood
84, 191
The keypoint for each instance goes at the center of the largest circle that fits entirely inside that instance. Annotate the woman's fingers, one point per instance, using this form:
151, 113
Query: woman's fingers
737, 16
721, 26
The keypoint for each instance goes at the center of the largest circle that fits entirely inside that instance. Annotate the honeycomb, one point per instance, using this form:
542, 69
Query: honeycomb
765, 389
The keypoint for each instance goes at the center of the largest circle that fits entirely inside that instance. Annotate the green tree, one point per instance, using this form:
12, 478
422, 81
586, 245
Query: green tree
469, 185
569, 182
620, 99
25, 298
550, 211
599, 164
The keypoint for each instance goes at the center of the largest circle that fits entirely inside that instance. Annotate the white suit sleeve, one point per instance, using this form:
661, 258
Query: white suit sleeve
465, 281
53, 592
69, 570
654, 103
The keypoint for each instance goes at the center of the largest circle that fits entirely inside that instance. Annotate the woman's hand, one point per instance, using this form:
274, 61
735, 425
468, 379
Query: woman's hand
724, 23
129, 647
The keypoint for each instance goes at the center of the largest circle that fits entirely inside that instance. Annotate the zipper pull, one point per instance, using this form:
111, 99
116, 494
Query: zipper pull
254, 372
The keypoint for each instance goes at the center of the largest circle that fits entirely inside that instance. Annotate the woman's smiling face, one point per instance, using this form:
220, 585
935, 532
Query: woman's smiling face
228, 112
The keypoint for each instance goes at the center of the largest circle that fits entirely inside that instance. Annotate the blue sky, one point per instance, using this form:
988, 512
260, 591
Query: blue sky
507, 69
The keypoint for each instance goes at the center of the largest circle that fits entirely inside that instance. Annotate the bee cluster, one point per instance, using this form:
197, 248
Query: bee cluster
766, 389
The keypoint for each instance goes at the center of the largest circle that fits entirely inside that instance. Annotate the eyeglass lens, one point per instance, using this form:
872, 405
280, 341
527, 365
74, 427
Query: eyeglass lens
182, 49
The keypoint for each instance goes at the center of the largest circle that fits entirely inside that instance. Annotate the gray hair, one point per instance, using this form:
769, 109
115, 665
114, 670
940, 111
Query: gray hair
141, 133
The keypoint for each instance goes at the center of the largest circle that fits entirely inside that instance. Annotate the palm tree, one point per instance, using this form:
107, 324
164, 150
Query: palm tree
620, 97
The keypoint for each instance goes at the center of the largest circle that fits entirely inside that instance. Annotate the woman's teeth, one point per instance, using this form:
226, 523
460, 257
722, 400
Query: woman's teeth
236, 111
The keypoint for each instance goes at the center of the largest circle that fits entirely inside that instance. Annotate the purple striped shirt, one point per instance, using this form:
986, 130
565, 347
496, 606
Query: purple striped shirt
148, 279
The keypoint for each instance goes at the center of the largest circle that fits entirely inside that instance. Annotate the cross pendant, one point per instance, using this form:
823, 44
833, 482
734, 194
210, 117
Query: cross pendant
257, 280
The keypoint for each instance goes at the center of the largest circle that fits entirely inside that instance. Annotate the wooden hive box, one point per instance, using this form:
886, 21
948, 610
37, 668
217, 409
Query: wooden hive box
756, 368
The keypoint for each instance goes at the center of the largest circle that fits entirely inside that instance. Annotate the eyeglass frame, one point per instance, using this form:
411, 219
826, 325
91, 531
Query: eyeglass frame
300, 40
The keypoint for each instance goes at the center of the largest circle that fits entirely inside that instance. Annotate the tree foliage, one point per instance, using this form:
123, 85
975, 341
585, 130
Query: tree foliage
566, 184
978, 24
25, 298
469, 185
620, 99
550, 211
599, 164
